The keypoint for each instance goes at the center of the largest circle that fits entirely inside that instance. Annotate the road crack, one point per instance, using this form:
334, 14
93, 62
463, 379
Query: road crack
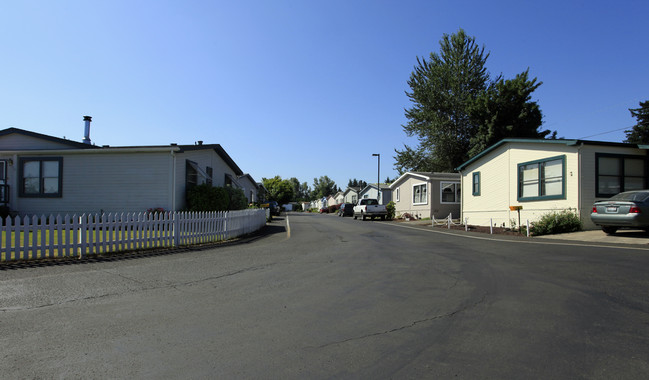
408, 326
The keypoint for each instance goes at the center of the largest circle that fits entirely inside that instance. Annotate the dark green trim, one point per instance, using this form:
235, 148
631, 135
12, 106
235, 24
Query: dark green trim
542, 141
475, 191
542, 197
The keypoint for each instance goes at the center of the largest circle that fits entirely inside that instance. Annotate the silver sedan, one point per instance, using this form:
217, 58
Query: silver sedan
629, 209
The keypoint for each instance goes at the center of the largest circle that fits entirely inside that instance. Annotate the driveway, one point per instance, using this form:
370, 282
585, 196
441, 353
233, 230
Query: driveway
597, 236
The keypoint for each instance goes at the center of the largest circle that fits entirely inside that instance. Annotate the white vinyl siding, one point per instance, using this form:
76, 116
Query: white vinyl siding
92, 183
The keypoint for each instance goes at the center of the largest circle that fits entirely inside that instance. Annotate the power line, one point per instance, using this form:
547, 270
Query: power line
603, 133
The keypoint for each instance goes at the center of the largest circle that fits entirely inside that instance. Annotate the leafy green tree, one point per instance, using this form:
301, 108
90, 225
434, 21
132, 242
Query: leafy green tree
504, 110
301, 191
238, 200
323, 187
639, 133
278, 190
456, 106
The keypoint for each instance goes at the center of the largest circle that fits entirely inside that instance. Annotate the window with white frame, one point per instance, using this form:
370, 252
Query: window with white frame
398, 194
450, 192
420, 194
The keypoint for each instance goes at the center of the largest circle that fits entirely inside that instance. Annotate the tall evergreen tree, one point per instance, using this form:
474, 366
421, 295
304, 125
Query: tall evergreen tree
639, 133
458, 111
443, 89
506, 110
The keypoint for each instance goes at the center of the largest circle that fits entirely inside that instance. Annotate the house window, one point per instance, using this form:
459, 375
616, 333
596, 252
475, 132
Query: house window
209, 171
542, 179
450, 192
41, 177
476, 183
191, 174
618, 173
420, 194
398, 194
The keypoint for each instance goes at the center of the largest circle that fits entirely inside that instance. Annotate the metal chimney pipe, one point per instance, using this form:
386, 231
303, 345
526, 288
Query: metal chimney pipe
86, 135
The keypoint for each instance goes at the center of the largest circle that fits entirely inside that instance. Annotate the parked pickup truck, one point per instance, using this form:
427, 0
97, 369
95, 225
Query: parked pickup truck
370, 208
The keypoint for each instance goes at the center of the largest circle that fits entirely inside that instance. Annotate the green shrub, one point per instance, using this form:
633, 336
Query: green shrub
238, 200
392, 209
556, 223
207, 198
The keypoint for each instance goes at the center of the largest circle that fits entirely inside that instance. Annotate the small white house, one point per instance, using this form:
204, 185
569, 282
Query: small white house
542, 176
350, 195
371, 191
339, 197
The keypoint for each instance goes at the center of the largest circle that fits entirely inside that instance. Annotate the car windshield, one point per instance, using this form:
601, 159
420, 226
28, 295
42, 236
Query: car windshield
639, 196
372, 202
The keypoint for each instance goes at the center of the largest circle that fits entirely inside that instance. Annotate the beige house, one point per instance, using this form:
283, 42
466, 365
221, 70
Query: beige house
340, 197
427, 195
351, 195
542, 176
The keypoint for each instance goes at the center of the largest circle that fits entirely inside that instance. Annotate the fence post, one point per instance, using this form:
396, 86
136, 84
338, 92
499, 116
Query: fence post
466, 224
491, 226
448, 221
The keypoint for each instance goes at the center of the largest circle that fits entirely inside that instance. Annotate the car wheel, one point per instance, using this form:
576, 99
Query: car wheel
363, 217
609, 230
382, 217
355, 217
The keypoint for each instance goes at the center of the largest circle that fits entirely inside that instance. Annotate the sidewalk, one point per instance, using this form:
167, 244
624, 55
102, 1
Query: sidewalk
633, 237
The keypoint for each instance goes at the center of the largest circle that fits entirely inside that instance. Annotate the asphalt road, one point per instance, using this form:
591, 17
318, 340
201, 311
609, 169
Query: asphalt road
335, 298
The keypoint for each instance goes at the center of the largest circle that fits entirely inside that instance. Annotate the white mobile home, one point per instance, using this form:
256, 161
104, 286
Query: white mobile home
48, 175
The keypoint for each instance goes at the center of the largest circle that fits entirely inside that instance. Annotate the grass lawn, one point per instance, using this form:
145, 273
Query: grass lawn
115, 241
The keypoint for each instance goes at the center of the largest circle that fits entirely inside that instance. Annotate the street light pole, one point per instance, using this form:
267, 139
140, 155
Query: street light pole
378, 178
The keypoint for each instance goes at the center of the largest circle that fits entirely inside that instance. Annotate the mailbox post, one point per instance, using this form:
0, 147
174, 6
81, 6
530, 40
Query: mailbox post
518, 209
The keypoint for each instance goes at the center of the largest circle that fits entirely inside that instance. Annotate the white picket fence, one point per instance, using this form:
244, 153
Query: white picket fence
91, 234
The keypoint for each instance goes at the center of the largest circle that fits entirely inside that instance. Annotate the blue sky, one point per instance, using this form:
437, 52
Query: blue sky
302, 88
